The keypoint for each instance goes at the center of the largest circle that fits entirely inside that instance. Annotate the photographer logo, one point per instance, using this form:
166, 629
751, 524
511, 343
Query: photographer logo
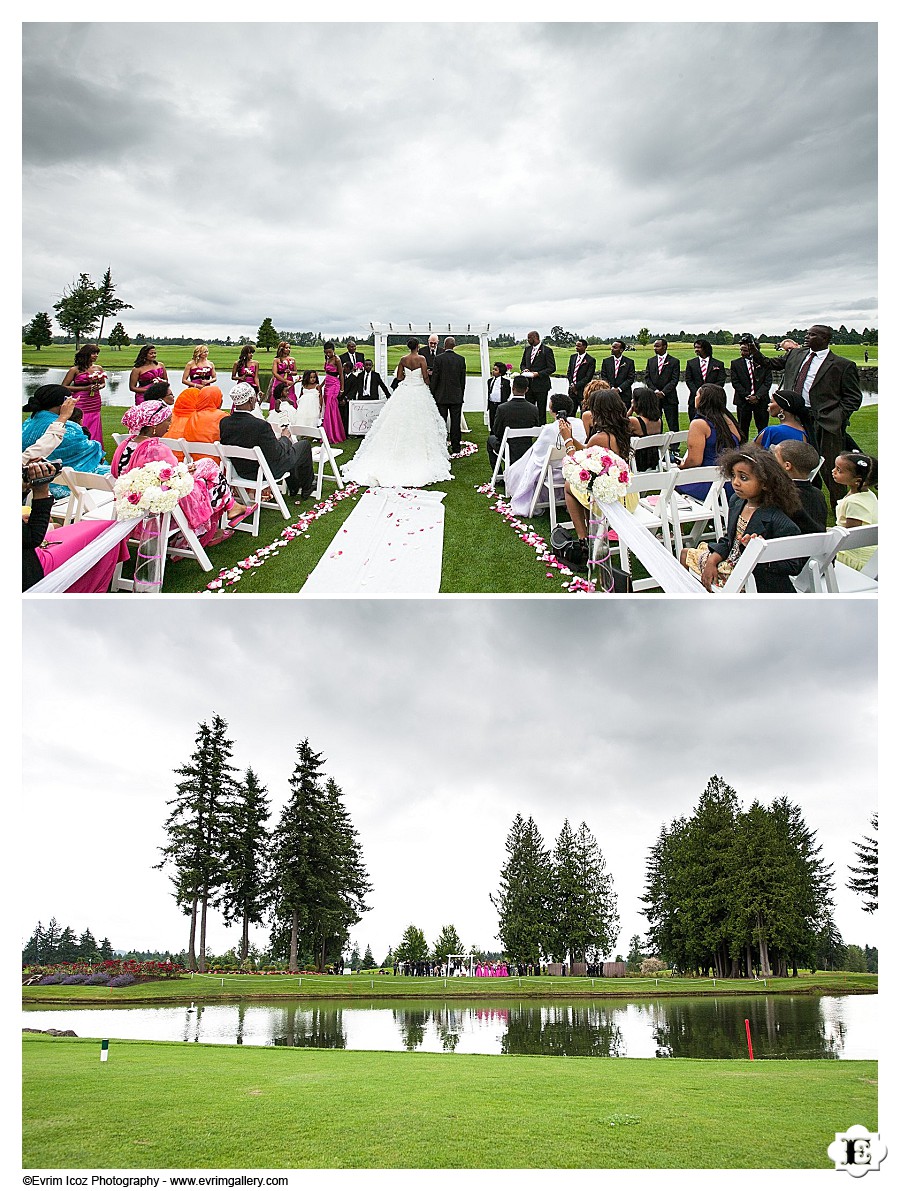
857, 1151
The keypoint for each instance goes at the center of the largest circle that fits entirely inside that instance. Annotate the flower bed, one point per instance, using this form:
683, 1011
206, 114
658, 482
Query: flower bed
104, 972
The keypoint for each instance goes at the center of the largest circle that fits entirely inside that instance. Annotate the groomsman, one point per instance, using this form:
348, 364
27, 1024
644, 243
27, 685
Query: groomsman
580, 372
703, 369
352, 379
752, 383
539, 362
371, 383
618, 370
662, 375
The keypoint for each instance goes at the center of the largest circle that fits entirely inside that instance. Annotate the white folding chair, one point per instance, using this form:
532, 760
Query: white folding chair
678, 439
251, 490
90, 496
815, 471
199, 450
688, 510
654, 490
841, 579
173, 526
660, 441
531, 432
818, 549
322, 454
546, 493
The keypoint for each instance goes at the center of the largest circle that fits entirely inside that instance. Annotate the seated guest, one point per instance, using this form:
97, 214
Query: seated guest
210, 497
645, 418
762, 505
710, 433
521, 478
799, 459
161, 391
283, 455
518, 413
858, 473
44, 447
792, 421
610, 429
75, 449
196, 415
45, 548
498, 391
597, 385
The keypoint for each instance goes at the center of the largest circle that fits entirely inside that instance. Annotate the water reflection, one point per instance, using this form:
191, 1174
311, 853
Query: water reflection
804, 1027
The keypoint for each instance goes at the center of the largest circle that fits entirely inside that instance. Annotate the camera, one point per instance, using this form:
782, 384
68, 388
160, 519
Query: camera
562, 417
747, 338
55, 464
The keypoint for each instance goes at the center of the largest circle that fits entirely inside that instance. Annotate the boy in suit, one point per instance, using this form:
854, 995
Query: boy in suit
798, 459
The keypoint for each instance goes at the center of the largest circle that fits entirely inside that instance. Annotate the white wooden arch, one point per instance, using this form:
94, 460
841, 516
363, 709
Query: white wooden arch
421, 332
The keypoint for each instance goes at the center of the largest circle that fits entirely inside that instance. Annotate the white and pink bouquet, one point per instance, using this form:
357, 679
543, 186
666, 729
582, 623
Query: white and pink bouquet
596, 474
154, 488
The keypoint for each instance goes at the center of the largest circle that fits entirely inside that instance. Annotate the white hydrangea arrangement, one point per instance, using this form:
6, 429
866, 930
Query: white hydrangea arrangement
154, 488
595, 473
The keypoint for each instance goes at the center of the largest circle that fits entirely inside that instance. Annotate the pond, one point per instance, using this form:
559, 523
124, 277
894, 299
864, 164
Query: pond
782, 1027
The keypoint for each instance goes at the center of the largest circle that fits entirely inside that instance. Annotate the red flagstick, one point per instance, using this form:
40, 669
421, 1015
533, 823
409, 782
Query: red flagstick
749, 1043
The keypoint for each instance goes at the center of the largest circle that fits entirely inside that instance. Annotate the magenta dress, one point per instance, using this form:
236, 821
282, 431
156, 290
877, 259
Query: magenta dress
206, 501
331, 415
88, 401
249, 374
147, 378
284, 377
63, 541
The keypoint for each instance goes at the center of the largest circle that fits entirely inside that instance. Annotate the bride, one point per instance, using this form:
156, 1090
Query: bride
407, 445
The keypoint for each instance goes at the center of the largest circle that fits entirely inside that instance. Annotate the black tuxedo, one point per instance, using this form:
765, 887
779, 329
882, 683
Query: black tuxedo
241, 429
430, 357
749, 410
833, 396
624, 381
448, 388
351, 379
375, 384
544, 365
665, 382
515, 414
499, 387
693, 375
586, 370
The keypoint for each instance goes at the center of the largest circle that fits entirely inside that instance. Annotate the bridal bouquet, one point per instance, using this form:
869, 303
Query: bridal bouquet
596, 474
154, 488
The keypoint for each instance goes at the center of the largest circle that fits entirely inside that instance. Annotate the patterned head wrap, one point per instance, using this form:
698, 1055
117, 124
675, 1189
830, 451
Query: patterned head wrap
148, 413
241, 393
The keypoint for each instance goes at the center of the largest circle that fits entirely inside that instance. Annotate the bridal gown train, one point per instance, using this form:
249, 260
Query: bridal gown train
407, 445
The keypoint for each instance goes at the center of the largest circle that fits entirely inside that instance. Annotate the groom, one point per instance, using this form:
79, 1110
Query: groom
448, 386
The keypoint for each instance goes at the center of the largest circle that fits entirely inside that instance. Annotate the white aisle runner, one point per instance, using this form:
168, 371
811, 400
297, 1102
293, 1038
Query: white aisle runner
392, 543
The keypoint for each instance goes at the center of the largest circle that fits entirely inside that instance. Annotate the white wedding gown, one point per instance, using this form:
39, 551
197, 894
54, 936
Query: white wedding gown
407, 445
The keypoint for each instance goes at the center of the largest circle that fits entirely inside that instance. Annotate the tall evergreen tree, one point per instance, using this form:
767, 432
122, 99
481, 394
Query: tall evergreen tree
77, 311
108, 305
39, 332
87, 947
67, 951
865, 878
368, 959
266, 336
196, 827
447, 943
413, 947
523, 899
244, 893
33, 951
118, 337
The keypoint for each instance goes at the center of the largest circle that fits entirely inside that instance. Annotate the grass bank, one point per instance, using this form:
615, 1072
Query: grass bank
181, 1105
210, 987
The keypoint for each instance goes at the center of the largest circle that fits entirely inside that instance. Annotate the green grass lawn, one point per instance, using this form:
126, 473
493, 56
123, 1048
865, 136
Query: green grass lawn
175, 358
482, 552
366, 985
181, 1106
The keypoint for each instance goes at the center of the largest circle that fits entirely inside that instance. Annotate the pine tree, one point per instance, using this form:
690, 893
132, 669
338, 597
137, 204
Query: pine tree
50, 943
39, 332
108, 304
87, 947
267, 336
368, 961
118, 337
67, 950
447, 943
865, 880
243, 896
413, 948
32, 952
106, 949
196, 829
77, 311
523, 899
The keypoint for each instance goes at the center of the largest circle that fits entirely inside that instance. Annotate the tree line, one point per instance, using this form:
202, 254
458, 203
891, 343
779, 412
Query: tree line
305, 876
55, 944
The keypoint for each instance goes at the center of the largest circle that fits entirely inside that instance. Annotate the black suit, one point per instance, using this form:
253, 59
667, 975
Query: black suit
693, 375
448, 387
500, 387
543, 365
586, 370
833, 396
241, 429
430, 357
624, 381
515, 414
351, 377
665, 382
375, 383
750, 410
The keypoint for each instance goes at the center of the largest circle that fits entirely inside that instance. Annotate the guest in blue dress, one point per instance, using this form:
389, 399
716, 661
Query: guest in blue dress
710, 433
793, 420
76, 450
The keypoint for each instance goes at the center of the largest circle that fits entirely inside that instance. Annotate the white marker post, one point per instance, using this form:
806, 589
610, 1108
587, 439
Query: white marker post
104, 1049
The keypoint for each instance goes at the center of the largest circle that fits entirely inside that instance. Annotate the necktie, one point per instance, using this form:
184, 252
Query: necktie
803, 373
578, 360
704, 364
616, 369
752, 372
533, 354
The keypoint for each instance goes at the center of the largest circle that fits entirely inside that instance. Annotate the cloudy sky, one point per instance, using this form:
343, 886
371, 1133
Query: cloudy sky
598, 176
440, 720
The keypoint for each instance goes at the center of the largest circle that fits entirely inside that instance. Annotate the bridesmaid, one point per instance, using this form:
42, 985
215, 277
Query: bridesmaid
200, 372
284, 377
84, 380
333, 388
246, 369
146, 371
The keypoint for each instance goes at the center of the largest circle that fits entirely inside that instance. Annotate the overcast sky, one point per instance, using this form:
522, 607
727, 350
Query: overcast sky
440, 720
600, 176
